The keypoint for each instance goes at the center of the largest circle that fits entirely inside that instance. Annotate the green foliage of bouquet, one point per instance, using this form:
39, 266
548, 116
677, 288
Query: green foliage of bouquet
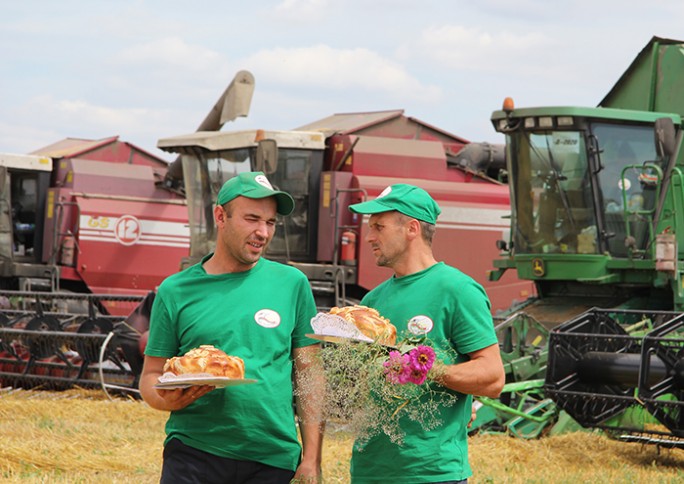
370, 388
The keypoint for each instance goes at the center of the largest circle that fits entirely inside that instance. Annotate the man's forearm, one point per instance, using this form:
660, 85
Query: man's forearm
310, 400
149, 394
482, 375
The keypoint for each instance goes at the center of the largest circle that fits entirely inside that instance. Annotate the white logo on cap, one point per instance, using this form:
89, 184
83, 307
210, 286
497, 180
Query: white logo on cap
420, 325
267, 318
263, 181
385, 192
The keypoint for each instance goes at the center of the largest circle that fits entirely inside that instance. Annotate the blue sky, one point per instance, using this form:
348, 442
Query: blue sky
149, 69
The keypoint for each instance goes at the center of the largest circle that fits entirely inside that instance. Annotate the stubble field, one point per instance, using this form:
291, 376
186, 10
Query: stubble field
81, 436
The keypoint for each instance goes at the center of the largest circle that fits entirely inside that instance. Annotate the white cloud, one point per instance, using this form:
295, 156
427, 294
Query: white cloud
153, 68
340, 69
475, 49
302, 11
43, 120
172, 52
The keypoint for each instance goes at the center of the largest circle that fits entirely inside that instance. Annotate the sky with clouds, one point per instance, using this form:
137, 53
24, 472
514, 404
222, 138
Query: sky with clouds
149, 69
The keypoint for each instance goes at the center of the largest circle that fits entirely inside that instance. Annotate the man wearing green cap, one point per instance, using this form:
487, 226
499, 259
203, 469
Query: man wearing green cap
252, 308
425, 297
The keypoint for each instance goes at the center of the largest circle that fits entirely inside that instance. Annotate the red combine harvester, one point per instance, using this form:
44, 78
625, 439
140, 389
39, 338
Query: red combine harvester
343, 159
89, 233
95, 226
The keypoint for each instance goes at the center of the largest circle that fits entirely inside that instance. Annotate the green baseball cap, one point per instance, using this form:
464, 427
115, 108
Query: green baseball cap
410, 200
254, 184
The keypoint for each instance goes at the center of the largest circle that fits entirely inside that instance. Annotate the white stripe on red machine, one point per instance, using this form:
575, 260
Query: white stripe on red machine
128, 230
472, 218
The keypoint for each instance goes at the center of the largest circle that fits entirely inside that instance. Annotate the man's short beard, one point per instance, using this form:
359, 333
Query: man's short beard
383, 261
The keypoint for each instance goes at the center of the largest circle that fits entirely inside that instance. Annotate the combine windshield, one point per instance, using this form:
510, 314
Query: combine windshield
297, 172
564, 206
203, 180
628, 177
552, 193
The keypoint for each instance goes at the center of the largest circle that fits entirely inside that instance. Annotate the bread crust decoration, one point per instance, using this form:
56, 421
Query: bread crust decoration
369, 322
206, 359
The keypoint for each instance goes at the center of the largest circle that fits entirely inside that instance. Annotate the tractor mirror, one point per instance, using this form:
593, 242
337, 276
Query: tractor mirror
267, 156
664, 137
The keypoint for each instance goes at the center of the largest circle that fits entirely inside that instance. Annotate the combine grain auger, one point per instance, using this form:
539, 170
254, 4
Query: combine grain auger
57, 341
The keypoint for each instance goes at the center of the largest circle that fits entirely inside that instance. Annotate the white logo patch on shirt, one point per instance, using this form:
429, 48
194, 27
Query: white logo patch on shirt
420, 325
263, 181
267, 318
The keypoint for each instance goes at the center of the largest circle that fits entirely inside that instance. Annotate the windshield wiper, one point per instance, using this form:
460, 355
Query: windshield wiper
557, 177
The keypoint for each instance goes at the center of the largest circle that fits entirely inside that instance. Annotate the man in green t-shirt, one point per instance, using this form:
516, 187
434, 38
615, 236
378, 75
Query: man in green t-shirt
252, 308
427, 297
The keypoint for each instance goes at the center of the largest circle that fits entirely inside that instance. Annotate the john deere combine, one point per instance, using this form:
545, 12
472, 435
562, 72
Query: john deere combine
598, 224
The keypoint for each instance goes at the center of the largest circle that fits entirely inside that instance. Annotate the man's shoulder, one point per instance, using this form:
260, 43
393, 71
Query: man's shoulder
178, 278
446, 271
376, 292
284, 270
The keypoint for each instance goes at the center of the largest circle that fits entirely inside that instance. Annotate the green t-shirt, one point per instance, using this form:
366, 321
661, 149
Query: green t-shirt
451, 307
260, 315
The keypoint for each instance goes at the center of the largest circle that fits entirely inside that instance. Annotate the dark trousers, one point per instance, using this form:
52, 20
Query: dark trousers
187, 465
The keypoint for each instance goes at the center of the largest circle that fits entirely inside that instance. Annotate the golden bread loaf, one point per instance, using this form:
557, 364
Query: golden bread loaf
206, 359
369, 322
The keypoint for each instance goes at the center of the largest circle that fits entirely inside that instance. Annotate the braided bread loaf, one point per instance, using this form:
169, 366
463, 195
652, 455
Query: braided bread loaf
206, 359
369, 322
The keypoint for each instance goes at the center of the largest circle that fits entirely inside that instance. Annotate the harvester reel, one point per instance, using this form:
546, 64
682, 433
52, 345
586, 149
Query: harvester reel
60, 350
662, 396
575, 378
42, 347
107, 354
610, 369
90, 351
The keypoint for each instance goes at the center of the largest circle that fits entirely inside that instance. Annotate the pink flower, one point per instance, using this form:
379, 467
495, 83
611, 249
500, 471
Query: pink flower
397, 368
417, 376
422, 359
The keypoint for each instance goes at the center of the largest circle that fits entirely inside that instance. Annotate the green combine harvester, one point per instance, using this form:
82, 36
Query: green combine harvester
597, 223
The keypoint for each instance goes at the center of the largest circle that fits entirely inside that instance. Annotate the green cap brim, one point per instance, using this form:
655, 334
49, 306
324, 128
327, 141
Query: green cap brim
285, 202
370, 207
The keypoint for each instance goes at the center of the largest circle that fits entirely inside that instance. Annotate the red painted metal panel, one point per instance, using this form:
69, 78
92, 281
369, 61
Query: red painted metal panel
128, 245
101, 177
333, 212
401, 158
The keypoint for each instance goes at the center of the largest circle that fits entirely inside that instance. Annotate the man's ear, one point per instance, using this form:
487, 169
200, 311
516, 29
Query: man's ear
414, 229
220, 215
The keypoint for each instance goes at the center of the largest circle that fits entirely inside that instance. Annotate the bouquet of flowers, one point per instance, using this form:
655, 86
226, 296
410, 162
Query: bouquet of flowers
412, 367
370, 386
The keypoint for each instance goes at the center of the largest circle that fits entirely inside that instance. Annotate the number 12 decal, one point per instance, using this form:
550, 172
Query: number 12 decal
127, 230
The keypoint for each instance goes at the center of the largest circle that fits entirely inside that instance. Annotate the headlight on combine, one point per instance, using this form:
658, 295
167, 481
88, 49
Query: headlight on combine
546, 122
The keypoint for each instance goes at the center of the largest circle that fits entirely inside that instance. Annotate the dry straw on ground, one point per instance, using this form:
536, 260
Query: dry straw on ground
81, 436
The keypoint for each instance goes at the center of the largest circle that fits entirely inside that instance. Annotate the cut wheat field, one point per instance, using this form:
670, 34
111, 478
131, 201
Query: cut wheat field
81, 436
